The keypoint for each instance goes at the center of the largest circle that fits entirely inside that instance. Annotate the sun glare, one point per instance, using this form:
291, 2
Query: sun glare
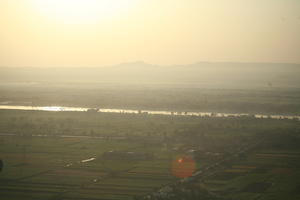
83, 11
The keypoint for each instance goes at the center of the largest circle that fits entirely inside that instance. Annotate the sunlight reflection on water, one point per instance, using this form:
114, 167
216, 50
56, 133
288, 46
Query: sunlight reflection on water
129, 111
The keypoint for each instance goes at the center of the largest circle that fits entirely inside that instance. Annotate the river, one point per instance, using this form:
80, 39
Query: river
152, 112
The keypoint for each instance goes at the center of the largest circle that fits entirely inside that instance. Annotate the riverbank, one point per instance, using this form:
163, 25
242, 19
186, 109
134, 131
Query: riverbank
152, 112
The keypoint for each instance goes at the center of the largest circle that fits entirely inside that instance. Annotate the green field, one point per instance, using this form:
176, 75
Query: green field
269, 172
37, 167
42, 161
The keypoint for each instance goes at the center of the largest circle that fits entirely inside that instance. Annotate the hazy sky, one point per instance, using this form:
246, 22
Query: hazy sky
99, 32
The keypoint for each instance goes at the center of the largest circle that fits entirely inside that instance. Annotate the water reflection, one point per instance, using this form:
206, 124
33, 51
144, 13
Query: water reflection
143, 112
88, 160
54, 108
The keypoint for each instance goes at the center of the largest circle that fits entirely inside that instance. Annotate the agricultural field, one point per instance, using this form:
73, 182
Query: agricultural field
271, 171
60, 155
265, 100
149, 100
54, 168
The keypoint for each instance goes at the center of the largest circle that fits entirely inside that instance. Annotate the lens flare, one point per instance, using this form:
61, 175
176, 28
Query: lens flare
183, 166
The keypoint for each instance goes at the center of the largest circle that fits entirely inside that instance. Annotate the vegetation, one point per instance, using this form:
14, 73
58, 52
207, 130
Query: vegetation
45, 156
263, 101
